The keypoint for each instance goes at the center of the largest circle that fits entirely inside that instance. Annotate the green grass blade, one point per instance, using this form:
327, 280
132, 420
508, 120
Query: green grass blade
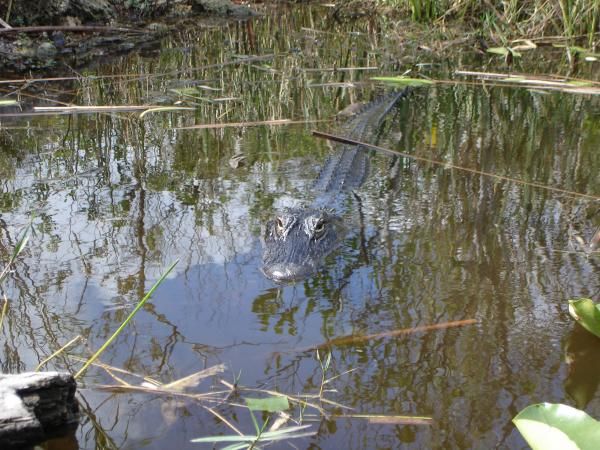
126, 321
237, 446
283, 433
404, 81
228, 438
255, 423
18, 249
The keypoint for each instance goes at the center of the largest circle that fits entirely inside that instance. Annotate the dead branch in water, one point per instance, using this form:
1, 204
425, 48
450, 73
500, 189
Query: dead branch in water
348, 340
74, 29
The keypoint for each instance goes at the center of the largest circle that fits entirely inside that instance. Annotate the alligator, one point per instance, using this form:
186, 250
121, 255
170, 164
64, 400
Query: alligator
296, 242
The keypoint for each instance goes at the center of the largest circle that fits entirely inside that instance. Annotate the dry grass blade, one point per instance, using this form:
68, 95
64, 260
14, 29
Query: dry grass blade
165, 109
194, 379
276, 122
389, 420
339, 69
91, 109
345, 84
58, 352
76, 28
282, 419
224, 420
4, 309
547, 82
110, 369
132, 389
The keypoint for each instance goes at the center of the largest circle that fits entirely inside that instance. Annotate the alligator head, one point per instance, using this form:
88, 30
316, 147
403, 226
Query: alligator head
296, 242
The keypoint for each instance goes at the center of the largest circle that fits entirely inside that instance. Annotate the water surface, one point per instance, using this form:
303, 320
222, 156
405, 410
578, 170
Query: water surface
114, 199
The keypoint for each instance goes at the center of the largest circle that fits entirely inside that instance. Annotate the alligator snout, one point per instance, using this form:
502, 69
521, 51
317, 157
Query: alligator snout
296, 242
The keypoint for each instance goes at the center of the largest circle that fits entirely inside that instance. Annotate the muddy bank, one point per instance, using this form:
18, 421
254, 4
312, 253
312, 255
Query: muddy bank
38, 36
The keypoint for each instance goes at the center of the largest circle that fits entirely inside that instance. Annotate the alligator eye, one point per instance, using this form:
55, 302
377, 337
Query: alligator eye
280, 225
320, 227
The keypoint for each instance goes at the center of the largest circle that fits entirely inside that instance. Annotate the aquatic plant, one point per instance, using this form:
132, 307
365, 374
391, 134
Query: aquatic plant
586, 313
551, 426
567, 18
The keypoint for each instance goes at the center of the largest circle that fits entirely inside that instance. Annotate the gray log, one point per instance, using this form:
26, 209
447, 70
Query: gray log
36, 406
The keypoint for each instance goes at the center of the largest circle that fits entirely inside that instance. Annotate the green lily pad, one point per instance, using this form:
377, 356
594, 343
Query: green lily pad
587, 313
548, 426
404, 81
270, 404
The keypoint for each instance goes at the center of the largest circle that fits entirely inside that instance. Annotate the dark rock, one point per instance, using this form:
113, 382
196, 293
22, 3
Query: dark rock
36, 406
53, 12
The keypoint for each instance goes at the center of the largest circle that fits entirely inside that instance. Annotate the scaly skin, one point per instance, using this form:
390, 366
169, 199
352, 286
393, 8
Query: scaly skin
296, 242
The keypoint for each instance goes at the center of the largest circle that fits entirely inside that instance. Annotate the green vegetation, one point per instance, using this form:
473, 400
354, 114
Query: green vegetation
550, 426
568, 18
262, 436
586, 313
557, 426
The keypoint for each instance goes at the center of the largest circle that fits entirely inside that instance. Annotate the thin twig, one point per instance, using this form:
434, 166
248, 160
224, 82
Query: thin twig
389, 420
223, 419
58, 352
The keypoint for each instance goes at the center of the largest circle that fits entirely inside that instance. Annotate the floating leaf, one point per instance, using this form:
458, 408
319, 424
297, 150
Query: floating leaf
404, 81
498, 50
550, 426
504, 51
587, 313
270, 404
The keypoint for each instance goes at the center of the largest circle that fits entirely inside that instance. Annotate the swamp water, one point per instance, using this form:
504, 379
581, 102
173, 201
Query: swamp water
114, 199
